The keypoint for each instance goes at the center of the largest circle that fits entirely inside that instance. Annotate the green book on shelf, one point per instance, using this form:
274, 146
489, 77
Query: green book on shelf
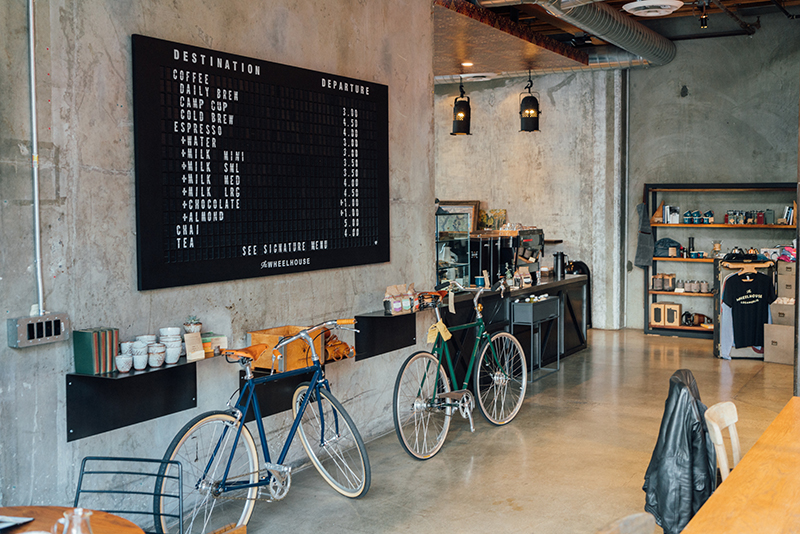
94, 350
86, 350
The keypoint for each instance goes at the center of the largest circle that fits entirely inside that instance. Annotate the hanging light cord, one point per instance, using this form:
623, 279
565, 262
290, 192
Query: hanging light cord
461, 86
530, 82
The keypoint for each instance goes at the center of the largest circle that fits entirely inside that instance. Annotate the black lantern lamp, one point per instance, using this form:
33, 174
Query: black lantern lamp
703, 18
461, 113
529, 109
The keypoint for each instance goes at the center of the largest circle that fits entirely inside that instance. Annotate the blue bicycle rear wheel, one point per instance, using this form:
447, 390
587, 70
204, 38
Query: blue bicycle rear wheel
204, 508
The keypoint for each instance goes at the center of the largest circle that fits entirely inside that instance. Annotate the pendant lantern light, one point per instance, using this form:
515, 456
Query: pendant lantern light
461, 113
529, 109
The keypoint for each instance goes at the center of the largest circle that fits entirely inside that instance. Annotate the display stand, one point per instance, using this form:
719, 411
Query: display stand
718, 197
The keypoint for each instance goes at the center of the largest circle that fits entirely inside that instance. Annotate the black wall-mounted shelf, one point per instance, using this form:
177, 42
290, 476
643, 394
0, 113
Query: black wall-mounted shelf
99, 403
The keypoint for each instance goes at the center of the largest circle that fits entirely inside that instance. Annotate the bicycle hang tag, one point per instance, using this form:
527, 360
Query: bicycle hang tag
438, 328
451, 302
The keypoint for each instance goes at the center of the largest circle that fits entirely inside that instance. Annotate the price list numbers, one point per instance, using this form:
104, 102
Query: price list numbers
350, 209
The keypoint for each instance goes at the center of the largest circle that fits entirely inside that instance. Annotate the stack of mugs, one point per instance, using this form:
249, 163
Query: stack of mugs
147, 351
170, 337
156, 352
124, 359
139, 351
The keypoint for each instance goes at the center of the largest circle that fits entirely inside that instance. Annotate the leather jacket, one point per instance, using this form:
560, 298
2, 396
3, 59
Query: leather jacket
682, 471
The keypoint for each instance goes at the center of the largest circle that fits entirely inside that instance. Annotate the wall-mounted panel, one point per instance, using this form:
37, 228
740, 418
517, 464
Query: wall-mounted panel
248, 168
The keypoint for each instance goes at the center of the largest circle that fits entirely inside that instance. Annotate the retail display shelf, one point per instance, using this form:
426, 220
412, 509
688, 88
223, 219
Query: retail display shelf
717, 188
690, 260
728, 226
685, 328
675, 293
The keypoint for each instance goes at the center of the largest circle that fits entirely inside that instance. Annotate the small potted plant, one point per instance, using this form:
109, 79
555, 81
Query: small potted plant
192, 324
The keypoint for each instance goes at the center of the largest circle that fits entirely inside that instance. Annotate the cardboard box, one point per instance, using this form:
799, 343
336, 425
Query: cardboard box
779, 344
672, 314
786, 285
782, 314
296, 354
787, 267
657, 314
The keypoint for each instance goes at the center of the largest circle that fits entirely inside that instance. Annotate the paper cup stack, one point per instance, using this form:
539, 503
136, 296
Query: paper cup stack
170, 337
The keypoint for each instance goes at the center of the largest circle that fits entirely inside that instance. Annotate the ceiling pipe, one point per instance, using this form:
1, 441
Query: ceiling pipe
600, 58
749, 28
783, 10
607, 24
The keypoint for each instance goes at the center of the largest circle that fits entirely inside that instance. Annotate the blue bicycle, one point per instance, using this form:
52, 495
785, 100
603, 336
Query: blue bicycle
222, 475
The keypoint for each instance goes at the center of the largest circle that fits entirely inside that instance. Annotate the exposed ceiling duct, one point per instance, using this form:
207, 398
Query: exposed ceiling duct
600, 58
607, 24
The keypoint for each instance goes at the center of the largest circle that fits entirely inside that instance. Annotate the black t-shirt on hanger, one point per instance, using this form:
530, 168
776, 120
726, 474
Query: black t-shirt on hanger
749, 296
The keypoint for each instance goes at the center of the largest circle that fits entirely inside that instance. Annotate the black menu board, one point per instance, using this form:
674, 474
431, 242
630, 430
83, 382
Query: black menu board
249, 168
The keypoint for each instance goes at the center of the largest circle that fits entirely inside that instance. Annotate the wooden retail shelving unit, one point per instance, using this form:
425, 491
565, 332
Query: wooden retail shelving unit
757, 196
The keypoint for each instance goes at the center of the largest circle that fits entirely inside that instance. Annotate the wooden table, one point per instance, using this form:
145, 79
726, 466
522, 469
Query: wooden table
762, 494
44, 517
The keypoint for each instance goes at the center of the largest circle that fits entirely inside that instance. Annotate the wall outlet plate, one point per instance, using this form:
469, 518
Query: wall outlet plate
38, 330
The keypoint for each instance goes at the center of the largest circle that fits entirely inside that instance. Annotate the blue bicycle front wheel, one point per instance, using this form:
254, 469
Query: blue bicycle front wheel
332, 441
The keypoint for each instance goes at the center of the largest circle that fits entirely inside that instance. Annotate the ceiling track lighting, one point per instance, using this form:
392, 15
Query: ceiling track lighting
461, 112
529, 109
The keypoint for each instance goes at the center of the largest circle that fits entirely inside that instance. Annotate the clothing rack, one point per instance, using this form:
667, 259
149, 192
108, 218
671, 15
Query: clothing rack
749, 267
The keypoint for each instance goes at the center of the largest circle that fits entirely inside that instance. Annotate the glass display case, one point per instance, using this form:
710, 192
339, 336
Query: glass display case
452, 247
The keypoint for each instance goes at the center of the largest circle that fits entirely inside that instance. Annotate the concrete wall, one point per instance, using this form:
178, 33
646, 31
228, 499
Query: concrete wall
566, 178
88, 241
725, 110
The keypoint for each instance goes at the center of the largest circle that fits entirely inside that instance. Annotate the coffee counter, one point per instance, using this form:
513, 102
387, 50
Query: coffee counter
566, 335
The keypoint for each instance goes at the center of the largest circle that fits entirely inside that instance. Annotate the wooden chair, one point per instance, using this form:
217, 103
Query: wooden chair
719, 417
641, 523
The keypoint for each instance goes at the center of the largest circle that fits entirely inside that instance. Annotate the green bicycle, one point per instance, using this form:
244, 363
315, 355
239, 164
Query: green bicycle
423, 400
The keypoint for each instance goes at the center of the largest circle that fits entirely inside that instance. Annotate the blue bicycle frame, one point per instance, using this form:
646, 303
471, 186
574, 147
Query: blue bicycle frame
243, 404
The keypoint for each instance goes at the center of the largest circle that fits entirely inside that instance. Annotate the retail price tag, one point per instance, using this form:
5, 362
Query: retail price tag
438, 329
451, 302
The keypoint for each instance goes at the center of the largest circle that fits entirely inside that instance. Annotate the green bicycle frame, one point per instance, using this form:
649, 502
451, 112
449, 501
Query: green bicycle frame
440, 347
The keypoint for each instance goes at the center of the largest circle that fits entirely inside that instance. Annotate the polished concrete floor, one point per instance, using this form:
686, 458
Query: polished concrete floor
573, 460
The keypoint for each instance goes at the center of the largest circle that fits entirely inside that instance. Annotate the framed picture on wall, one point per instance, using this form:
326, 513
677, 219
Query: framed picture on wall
470, 207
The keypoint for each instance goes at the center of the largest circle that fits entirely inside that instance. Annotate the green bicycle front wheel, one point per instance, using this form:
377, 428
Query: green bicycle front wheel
204, 509
420, 420
500, 378
332, 442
